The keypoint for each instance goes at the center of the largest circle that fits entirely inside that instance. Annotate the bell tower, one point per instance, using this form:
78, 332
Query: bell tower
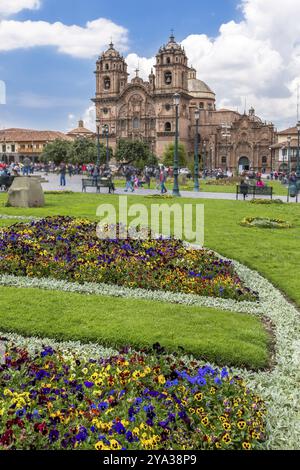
111, 80
111, 73
171, 68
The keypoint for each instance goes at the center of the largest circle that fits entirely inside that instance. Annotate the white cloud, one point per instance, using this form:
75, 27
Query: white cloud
77, 41
89, 118
11, 7
142, 63
257, 59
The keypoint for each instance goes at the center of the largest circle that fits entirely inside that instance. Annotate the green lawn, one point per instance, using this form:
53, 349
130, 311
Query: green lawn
223, 337
274, 253
214, 335
279, 189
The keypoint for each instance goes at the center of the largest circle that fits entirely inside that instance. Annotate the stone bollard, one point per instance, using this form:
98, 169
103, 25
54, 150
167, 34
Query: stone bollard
26, 191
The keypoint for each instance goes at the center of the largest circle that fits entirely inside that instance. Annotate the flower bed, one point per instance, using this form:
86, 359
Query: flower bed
54, 399
266, 201
264, 222
69, 249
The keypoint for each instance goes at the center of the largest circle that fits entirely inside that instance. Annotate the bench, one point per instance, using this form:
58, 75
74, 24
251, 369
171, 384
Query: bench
6, 182
254, 191
98, 183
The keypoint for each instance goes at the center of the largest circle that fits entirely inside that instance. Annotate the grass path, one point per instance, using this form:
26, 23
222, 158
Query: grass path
211, 334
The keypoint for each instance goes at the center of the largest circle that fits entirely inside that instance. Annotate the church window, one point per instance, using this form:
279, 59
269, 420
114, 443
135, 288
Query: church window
176, 59
136, 123
105, 110
168, 78
106, 66
264, 160
106, 83
224, 160
152, 123
123, 124
201, 105
168, 127
168, 60
168, 107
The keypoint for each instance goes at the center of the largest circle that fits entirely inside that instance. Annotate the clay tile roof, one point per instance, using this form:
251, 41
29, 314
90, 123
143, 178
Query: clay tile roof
30, 135
290, 130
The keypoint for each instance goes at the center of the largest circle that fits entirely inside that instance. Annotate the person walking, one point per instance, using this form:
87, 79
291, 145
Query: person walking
95, 174
157, 178
62, 172
129, 183
70, 170
148, 177
163, 179
244, 189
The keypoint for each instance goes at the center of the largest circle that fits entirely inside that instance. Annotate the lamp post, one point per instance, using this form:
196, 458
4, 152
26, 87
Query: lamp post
98, 141
271, 152
176, 191
298, 152
196, 156
289, 155
204, 159
105, 132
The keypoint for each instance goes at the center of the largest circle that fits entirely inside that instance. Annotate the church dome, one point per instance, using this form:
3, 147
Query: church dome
111, 53
172, 46
199, 89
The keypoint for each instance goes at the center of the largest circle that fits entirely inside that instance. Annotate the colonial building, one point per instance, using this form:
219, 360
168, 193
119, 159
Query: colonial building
285, 150
16, 144
144, 110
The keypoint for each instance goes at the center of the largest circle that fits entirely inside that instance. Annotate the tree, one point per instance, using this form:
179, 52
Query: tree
85, 150
79, 151
57, 151
135, 152
169, 155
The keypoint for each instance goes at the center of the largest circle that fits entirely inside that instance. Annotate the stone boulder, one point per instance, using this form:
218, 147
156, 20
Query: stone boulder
26, 191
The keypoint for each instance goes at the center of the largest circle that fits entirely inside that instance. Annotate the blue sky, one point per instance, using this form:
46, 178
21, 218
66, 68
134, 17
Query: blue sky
44, 86
244, 49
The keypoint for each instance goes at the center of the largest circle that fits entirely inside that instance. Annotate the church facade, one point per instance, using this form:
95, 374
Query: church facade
144, 110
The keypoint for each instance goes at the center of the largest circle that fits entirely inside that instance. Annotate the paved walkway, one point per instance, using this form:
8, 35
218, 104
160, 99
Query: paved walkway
74, 184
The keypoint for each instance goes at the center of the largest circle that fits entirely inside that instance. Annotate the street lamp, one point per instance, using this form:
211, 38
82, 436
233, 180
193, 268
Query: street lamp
106, 132
298, 152
204, 159
271, 152
176, 162
196, 157
98, 142
289, 155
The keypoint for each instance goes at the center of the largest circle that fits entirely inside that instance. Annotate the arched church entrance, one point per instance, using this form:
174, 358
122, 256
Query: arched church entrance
244, 164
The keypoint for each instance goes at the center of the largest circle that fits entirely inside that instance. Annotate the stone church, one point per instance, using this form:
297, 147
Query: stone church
144, 110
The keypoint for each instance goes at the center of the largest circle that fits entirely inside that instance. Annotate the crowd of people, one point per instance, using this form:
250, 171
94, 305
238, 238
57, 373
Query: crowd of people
134, 178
